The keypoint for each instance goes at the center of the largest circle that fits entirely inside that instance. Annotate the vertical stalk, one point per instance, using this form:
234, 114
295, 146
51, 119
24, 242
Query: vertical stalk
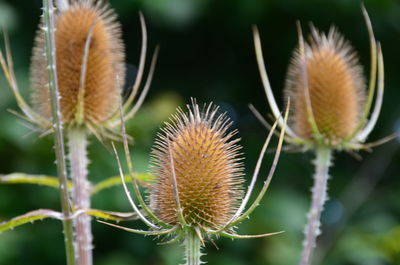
193, 248
48, 17
81, 194
319, 196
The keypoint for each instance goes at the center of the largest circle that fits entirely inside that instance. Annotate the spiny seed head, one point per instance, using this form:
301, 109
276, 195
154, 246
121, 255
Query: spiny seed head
335, 83
104, 69
207, 166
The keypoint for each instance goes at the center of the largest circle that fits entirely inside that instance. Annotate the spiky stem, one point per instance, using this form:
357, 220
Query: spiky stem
319, 196
193, 248
81, 194
48, 16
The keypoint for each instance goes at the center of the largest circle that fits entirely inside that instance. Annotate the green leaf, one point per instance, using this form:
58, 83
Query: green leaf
22, 178
41, 214
109, 215
143, 178
29, 217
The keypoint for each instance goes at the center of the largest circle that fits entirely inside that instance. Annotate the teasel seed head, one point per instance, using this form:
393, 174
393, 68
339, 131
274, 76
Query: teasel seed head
197, 192
335, 83
79, 54
325, 83
89, 60
198, 150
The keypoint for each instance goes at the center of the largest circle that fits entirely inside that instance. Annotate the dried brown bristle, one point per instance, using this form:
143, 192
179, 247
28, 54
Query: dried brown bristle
336, 87
105, 62
207, 167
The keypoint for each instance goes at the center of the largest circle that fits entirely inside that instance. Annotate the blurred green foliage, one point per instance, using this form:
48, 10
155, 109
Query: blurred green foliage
207, 52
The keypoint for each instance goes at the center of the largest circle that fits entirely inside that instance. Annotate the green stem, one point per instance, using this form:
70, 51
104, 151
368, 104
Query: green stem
193, 248
319, 196
57, 127
81, 194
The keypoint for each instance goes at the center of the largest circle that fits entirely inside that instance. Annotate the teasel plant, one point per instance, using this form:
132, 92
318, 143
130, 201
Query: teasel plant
197, 193
76, 71
331, 106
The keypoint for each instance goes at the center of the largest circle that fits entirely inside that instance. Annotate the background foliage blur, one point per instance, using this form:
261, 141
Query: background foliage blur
207, 52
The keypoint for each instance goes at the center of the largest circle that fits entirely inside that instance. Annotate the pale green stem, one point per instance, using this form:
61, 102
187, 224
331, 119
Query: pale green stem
193, 248
319, 196
48, 18
81, 194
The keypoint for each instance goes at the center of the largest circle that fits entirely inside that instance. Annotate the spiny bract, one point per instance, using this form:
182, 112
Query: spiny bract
104, 67
206, 164
336, 87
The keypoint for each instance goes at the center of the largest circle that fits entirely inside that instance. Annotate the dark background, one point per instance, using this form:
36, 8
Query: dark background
207, 53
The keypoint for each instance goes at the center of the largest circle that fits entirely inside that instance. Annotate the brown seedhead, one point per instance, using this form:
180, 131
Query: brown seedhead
89, 96
335, 84
199, 149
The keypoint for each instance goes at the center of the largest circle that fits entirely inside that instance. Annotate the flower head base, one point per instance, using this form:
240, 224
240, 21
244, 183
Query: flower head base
206, 165
89, 70
326, 85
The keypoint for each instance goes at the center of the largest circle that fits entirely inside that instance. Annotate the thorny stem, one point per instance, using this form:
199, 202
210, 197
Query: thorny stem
319, 196
57, 127
193, 247
81, 194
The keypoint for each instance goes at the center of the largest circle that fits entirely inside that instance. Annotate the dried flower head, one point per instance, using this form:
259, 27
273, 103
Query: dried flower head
335, 85
325, 82
89, 66
206, 166
90, 59
198, 188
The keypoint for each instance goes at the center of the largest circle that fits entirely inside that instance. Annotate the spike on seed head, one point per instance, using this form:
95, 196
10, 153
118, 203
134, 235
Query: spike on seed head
207, 168
335, 83
105, 62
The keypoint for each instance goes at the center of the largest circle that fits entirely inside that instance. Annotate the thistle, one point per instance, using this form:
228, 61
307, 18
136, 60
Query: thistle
77, 71
198, 191
331, 107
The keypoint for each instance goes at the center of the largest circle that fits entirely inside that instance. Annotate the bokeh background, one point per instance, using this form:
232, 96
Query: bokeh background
207, 53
